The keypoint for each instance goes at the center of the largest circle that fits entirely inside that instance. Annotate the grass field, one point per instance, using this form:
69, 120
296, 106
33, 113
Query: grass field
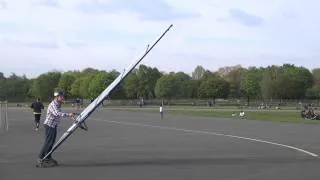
292, 116
286, 114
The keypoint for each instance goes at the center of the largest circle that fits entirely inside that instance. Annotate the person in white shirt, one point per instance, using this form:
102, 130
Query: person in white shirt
242, 114
161, 111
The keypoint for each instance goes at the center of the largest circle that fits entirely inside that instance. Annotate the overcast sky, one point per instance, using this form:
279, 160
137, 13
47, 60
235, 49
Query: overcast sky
37, 36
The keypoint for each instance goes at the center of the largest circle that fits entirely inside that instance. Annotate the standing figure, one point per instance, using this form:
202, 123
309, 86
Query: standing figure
51, 123
242, 115
37, 106
161, 111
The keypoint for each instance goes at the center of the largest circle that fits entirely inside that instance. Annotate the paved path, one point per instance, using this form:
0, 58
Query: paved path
139, 145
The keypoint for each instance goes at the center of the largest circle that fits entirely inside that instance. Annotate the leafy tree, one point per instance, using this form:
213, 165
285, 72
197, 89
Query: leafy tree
114, 73
89, 71
166, 87
316, 76
75, 88
98, 83
66, 81
198, 73
283, 82
192, 88
101, 81
299, 80
147, 79
183, 85
286, 81
44, 85
208, 74
15, 87
131, 86
213, 87
252, 84
313, 93
85, 84
119, 91
235, 79
80, 86
3, 87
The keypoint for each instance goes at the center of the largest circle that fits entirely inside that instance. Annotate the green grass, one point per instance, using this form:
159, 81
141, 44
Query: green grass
284, 115
292, 116
277, 116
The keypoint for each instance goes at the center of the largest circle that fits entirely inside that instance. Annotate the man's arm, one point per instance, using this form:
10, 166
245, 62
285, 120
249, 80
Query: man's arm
57, 112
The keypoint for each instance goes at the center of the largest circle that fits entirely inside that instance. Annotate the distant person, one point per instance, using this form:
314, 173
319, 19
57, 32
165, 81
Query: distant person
161, 111
37, 106
140, 104
78, 103
54, 114
242, 115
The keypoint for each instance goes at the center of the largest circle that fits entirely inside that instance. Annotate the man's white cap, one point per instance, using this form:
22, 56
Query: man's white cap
58, 93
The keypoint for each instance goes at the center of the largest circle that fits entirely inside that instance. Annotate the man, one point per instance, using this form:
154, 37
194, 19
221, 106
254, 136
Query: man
51, 123
37, 107
161, 111
242, 115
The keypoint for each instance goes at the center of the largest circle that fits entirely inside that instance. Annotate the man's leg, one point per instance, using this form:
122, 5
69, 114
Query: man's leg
50, 136
54, 136
37, 121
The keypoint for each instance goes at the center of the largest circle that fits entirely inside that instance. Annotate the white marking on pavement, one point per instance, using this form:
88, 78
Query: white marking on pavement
211, 133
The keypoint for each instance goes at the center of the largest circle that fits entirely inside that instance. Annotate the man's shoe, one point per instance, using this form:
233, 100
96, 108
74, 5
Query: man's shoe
43, 164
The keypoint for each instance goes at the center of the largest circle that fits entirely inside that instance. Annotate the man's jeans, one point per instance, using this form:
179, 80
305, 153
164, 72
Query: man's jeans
50, 138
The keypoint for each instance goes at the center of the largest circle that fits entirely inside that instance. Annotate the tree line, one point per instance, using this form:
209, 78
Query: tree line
273, 82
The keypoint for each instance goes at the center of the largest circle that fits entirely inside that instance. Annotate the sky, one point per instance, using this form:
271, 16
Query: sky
37, 36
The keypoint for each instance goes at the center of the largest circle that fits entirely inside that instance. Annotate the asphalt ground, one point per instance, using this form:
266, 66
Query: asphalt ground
139, 145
